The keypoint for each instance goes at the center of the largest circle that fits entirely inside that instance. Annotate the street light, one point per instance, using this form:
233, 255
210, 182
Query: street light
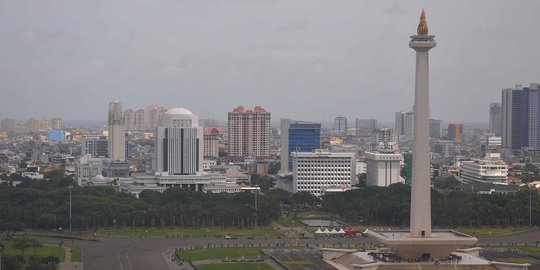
1, 249
70, 188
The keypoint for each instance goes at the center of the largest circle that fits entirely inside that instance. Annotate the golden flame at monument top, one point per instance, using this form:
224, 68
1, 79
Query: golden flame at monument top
422, 26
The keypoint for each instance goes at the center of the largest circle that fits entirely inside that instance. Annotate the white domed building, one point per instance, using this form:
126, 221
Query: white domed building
179, 143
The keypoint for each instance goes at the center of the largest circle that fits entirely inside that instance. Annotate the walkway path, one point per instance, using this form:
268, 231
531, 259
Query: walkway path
68, 264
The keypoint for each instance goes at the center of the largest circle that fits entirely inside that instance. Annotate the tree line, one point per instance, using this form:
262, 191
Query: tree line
45, 205
390, 206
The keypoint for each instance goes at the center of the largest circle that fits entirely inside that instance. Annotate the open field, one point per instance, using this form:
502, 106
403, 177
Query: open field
235, 266
46, 250
217, 253
192, 232
494, 232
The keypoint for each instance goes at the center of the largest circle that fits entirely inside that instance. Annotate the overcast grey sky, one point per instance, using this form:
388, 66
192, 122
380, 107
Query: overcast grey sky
300, 59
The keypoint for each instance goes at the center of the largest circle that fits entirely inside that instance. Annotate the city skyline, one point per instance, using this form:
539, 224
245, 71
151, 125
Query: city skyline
324, 55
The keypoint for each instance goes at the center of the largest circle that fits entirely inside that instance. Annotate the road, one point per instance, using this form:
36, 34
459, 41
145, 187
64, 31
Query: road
140, 253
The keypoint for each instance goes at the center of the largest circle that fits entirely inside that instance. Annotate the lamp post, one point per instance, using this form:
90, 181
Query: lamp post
70, 188
530, 207
1, 249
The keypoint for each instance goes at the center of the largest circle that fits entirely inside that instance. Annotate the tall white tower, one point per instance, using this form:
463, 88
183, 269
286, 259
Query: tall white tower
179, 143
117, 132
421, 186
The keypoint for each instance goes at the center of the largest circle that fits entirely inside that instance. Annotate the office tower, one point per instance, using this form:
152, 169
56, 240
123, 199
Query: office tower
364, 127
521, 119
404, 125
495, 118
7, 125
490, 143
117, 132
435, 128
154, 113
129, 119
211, 143
383, 169
56, 123
531, 121
178, 143
138, 120
384, 140
95, 145
249, 132
298, 136
455, 132
340, 125
314, 172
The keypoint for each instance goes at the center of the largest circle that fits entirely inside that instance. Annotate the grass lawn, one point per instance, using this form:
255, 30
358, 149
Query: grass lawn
46, 250
217, 253
193, 232
235, 266
517, 260
76, 254
493, 232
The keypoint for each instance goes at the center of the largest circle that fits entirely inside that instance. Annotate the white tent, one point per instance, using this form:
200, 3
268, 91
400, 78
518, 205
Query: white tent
333, 231
341, 231
326, 231
318, 231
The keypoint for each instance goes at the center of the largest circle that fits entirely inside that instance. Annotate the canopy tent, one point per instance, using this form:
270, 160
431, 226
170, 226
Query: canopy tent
318, 231
326, 230
333, 231
351, 230
341, 231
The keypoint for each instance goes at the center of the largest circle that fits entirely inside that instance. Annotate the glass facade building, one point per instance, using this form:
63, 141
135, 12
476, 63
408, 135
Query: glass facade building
298, 136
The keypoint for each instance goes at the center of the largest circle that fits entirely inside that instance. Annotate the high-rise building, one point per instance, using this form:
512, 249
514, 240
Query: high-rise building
56, 123
211, 143
314, 172
95, 145
495, 118
531, 121
298, 136
129, 119
521, 119
512, 132
7, 125
138, 120
455, 132
178, 143
364, 127
383, 169
154, 113
384, 140
435, 128
404, 125
45, 125
31, 125
340, 125
249, 132
117, 132
490, 143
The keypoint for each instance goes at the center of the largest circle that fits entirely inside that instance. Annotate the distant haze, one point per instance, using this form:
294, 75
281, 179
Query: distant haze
300, 59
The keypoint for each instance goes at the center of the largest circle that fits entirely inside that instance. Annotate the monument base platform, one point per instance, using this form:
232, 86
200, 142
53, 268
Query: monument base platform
439, 246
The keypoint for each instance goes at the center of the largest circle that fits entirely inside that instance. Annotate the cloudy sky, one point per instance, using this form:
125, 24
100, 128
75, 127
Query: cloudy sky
301, 59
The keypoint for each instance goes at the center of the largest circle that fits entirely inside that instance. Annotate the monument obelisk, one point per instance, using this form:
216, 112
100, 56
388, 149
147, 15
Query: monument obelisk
420, 242
421, 182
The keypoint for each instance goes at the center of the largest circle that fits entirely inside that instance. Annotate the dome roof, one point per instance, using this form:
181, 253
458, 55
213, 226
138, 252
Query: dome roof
179, 111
